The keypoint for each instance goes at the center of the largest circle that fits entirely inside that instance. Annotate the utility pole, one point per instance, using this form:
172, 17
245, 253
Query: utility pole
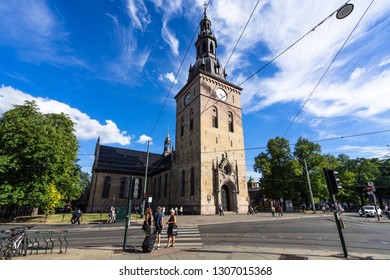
128, 213
308, 181
145, 181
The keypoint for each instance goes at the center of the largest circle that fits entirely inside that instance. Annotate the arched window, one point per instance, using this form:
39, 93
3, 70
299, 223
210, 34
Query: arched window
215, 117
211, 48
183, 183
192, 182
204, 47
230, 122
182, 126
106, 187
159, 187
166, 185
155, 187
140, 189
191, 119
122, 188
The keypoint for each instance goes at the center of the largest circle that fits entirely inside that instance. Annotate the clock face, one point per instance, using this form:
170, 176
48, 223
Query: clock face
187, 99
221, 94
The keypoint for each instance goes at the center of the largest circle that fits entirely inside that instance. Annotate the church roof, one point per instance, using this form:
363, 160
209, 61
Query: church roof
112, 159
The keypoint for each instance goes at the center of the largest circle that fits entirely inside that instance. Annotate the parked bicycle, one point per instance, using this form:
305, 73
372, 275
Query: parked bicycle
13, 242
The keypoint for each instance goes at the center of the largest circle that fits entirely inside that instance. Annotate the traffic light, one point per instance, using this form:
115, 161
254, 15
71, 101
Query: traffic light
145, 195
332, 180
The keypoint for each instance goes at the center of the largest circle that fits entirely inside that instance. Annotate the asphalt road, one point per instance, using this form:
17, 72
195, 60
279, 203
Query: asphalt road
359, 234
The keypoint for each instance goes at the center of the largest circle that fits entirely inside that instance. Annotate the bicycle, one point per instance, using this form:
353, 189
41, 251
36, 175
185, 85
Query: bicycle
14, 243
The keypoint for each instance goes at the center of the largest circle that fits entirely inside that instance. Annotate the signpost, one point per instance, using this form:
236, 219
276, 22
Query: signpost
370, 192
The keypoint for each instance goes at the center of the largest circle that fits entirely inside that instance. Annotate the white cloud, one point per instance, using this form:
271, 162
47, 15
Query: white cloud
138, 13
143, 139
357, 73
35, 32
168, 76
369, 151
169, 9
86, 128
354, 85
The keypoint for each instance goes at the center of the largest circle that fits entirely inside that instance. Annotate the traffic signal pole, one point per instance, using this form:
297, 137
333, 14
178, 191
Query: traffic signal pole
331, 182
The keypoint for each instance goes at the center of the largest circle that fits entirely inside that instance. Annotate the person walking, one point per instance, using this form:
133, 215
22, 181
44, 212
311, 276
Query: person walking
220, 210
280, 211
273, 210
77, 217
171, 224
158, 223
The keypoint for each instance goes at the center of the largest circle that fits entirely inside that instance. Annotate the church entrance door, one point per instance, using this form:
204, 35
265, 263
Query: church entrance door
225, 199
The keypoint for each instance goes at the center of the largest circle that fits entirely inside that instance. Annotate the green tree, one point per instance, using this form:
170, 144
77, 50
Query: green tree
280, 171
37, 151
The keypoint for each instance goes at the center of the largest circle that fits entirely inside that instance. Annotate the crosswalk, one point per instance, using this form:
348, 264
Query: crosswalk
188, 236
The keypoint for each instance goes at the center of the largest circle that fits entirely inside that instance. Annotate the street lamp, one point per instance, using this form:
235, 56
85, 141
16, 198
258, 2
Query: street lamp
344, 11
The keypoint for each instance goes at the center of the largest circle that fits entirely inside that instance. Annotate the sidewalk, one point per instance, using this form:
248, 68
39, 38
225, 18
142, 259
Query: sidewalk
209, 252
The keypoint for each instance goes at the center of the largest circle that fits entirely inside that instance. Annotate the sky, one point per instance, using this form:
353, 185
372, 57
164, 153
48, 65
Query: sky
114, 66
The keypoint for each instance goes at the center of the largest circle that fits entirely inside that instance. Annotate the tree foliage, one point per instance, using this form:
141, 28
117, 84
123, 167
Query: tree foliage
38, 155
284, 175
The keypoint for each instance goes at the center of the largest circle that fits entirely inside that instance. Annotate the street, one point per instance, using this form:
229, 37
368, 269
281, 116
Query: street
319, 232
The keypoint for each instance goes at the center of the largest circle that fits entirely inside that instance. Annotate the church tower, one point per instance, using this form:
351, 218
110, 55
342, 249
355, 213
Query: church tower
209, 160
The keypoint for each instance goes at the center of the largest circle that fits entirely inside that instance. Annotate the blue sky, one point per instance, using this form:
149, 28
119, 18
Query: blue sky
110, 65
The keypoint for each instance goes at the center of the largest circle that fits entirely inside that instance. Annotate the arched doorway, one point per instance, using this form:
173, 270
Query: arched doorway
225, 198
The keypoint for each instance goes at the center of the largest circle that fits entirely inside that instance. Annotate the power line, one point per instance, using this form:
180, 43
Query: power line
326, 70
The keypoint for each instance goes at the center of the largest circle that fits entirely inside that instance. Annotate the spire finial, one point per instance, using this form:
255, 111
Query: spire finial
205, 7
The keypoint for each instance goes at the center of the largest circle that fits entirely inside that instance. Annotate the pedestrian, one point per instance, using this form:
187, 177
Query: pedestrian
77, 217
176, 210
148, 222
113, 214
163, 211
181, 210
273, 211
280, 210
158, 224
171, 224
73, 219
220, 210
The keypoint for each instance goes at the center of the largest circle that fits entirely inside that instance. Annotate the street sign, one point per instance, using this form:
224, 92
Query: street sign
369, 189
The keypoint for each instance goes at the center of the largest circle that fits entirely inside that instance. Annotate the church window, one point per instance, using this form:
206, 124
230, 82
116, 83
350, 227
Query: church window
191, 119
122, 188
106, 187
215, 117
139, 193
182, 126
183, 183
166, 185
159, 187
155, 187
204, 47
211, 48
230, 122
192, 182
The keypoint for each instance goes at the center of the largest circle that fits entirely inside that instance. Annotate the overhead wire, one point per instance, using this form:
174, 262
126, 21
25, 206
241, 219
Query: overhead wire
326, 70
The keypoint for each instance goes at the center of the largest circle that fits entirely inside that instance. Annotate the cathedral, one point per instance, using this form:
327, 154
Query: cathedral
207, 167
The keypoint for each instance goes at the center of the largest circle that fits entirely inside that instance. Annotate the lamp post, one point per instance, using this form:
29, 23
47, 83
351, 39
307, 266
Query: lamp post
146, 180
308, 181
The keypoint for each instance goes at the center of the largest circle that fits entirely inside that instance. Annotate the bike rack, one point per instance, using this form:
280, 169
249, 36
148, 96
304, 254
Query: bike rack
49, 239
